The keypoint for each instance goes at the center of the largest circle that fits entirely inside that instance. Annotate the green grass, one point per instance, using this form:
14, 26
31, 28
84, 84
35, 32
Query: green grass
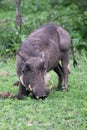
60, 111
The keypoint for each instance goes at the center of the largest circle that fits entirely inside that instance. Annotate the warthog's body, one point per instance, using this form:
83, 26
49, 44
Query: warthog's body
40, 52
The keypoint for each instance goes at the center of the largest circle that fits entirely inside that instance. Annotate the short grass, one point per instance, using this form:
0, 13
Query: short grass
60, 111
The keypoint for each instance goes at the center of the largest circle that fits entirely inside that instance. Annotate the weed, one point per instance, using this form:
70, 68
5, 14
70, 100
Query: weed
59, 111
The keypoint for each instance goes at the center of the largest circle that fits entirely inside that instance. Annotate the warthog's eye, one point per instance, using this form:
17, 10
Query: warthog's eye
26, 67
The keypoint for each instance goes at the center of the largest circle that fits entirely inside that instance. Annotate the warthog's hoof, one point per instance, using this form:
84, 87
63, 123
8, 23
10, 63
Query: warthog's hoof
19, 97
59, 88
65, 89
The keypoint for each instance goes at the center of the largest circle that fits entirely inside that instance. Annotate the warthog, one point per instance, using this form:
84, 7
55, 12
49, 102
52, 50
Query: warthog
41, 52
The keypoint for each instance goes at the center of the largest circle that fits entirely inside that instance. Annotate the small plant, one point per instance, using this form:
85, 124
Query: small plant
59, 111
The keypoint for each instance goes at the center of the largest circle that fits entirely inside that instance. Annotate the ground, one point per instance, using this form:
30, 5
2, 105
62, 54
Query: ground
60, 111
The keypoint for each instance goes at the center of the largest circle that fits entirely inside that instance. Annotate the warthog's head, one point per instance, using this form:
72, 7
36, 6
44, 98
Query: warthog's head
32, 77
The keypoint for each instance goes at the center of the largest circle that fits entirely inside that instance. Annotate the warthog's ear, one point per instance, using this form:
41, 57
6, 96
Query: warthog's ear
42, 55
17, 53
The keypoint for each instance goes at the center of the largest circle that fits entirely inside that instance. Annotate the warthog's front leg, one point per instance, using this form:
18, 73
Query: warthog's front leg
22, 92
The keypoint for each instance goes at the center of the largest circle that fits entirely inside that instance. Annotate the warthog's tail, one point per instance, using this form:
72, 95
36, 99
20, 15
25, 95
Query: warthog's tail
74, 59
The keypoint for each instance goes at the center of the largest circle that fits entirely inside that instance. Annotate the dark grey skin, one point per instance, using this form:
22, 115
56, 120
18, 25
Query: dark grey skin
41, 52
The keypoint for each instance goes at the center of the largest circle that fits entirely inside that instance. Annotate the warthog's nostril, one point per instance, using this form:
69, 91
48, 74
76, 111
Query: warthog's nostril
41, 97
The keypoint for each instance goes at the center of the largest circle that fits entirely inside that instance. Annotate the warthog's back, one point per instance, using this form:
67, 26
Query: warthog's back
51, 39
49, 33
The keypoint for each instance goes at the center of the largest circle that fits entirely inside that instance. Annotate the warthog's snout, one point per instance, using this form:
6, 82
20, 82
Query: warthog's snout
40, 92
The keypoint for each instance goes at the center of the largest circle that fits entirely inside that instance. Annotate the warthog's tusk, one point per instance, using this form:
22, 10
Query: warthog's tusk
21, 80
51, 86
30, 88
37, 97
